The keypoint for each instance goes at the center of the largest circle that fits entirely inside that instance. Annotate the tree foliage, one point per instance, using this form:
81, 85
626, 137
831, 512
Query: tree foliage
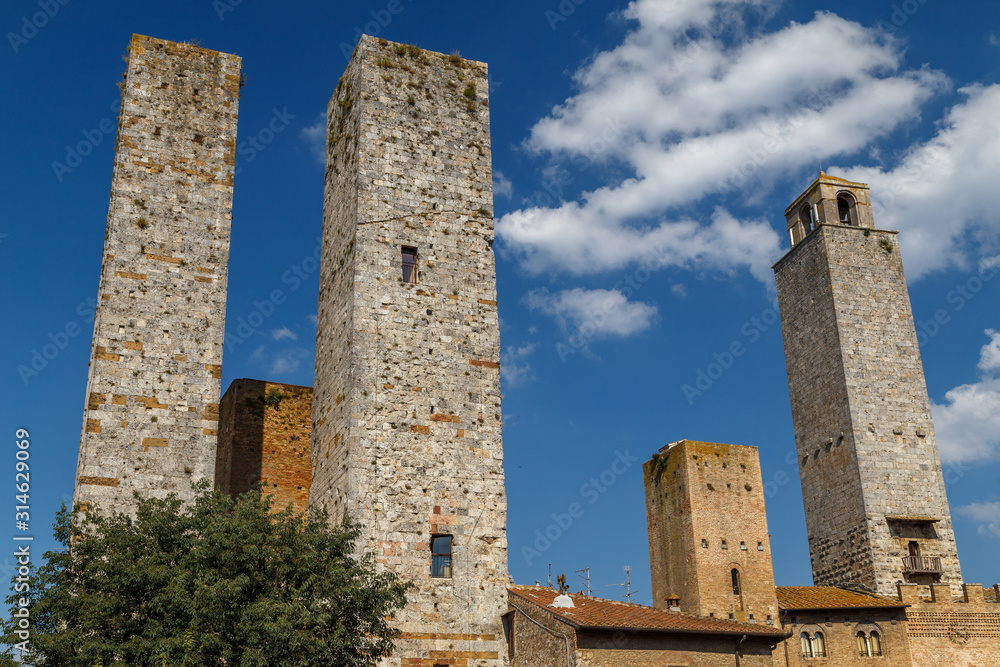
216, 582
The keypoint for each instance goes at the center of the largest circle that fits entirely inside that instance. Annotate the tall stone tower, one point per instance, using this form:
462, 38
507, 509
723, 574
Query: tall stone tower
708, 540
155, 367
406, 411
876, 509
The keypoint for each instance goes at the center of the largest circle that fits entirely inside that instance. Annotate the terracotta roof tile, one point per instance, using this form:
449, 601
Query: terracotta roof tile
830, 597
592, 613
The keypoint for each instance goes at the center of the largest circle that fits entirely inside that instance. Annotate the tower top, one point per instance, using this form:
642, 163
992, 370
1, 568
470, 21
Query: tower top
829, 200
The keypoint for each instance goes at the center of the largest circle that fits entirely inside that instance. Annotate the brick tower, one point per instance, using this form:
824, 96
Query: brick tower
708, 540
876, 509
406, 412
155, 367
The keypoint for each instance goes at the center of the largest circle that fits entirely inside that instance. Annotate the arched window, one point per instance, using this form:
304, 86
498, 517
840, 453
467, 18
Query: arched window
813, 646
807, 219
806, 645
845, 209
875, 643
736, 581
819, 646
869, 644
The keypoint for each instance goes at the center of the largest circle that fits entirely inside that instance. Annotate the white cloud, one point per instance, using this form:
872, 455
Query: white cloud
968, 423
679, 289
513, 368
994, 40
502, 185
284, 333
311, 318
314, 136
988, 514
288, 361
940, 195
593, 313
690, 114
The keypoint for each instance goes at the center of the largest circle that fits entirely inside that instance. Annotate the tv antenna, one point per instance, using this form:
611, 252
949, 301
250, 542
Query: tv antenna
627, 585
585, 575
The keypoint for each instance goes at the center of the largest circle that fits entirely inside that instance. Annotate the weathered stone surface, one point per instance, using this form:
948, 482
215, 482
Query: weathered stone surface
706, 517
265, 443
158, 333
401, 367
868, 458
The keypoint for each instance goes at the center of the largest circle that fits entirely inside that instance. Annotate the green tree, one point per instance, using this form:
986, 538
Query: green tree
216, 582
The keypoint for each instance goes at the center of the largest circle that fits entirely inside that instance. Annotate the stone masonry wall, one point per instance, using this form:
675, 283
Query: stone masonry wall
152, 410
705, 506
884, 452
625, 648
407, 430
265, 442
840, 628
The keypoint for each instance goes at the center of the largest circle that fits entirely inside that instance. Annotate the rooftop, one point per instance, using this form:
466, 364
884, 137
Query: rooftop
831, 597
592, 613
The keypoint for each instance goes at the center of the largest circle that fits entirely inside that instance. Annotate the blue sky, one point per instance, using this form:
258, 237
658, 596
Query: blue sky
643, 155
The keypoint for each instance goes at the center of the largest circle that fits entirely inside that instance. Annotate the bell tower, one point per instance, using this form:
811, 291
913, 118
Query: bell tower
876, 509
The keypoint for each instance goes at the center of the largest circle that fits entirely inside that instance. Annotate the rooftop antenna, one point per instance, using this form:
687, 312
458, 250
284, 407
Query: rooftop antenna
585, 575
550, 575
627, 585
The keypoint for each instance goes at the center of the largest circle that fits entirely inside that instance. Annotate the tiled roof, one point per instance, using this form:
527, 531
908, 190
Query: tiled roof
830, 597
594, 613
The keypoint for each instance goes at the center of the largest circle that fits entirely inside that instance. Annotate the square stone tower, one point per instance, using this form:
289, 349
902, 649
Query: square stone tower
156, 362
876, 509
708, 540
406, 411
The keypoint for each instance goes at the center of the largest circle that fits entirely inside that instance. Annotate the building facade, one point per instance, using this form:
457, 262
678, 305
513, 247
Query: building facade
406, 411
152, 412
876, 509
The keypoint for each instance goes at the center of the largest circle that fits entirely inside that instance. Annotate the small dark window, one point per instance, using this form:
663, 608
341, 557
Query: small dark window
736, 581
409, 264
807, 219
441, 556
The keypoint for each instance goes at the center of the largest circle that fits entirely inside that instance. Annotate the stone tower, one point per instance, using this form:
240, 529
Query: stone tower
406, 411
155, 367
876, 509
708, 540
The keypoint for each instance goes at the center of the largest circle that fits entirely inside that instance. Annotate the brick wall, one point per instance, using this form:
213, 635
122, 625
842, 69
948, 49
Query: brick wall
265, 443
962, 632
706, 516
840, 628
407, 430
642, 649
152, 408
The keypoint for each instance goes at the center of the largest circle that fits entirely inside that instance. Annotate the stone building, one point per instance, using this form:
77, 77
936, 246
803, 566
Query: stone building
842, 627
546, 629
156, 361
265, 439
876, 509
406, 410
708, 540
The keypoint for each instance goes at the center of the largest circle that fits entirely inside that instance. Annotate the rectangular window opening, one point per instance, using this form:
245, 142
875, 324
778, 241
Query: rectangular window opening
409, 264
441, 556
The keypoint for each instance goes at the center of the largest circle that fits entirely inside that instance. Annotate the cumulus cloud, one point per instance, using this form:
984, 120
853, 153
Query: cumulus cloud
598, 313
988, 514
502, 185
314, 136
968, 422
284, 333
514, 369
940, 195
693, 103
288, 361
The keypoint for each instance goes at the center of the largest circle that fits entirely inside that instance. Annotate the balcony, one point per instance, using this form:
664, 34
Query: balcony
922, 565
